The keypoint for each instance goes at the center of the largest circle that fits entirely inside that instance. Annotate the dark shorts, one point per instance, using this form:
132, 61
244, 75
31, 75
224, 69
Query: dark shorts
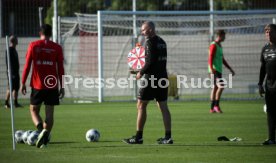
15, 82
48, 96
148, 93
270, 101
217, 78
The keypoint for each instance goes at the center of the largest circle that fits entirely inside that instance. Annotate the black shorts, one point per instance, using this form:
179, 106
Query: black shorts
48, 96
217, 78
148, 93
15, 82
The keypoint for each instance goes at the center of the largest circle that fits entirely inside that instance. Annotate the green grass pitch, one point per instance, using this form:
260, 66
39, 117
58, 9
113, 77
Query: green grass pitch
194, 130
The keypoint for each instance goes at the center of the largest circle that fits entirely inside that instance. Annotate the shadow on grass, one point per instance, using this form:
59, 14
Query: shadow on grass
217, 145
124, 145
65, 142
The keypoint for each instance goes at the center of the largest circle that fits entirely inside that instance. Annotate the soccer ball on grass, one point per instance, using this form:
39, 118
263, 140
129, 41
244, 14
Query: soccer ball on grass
18, 136
26, 135
92, 135
32, 138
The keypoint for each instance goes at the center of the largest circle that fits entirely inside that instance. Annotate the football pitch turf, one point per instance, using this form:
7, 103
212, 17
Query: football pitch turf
194, 130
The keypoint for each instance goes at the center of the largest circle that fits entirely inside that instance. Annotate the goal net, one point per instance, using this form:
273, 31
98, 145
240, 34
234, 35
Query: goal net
187, 35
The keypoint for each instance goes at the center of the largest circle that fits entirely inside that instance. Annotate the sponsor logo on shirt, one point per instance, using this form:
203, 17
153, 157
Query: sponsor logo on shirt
162, 58
50, 63
161, 46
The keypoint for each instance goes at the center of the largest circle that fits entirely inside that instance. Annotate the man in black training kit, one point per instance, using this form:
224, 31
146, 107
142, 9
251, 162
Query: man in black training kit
155, 67
14, 63
268, 69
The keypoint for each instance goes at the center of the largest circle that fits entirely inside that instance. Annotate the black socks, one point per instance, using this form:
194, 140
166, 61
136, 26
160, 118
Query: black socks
39, 127
216, 102
168, 134
139, 134
212, 104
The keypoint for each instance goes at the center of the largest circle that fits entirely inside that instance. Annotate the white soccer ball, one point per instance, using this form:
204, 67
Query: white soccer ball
92, 135
32, 138
18, 136
265, 108
25, 135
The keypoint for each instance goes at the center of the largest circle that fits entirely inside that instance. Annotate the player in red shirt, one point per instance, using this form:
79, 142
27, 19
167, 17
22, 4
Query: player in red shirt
46, 59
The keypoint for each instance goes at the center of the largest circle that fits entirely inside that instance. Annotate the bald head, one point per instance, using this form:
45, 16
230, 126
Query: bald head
148, 29
150, 24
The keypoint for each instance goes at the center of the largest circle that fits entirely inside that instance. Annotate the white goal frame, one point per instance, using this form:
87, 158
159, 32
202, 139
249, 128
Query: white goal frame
100, 15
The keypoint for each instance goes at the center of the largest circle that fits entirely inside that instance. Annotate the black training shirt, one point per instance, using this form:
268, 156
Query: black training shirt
156, 57
268, 66
14, 61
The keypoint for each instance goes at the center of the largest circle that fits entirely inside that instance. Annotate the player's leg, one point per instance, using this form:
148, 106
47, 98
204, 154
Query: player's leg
7, 104
37, 98
15, 96
144, 96
141, 115
220, 86
49, 120
16, 85
36, 118
218, 95
50, 98
161, 96
141, 118
163, 106
140, 123
48, 123
217, 100
36, 101
213, 98
213, 92
271, 117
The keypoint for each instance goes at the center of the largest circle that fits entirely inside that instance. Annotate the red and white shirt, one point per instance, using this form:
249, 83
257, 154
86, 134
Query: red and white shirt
46, 58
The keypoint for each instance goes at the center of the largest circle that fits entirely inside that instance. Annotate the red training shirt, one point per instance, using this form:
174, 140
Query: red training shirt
46, 57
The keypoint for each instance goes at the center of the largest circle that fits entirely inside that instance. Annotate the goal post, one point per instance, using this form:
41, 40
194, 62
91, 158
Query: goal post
100, 52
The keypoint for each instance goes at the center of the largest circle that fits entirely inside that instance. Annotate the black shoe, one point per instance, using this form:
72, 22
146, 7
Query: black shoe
18, 105
47, 139
223, 138
133, 140
42, 139
164, 141
269, 142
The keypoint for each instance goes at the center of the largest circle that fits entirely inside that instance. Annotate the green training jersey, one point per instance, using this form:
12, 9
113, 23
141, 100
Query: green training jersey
217, 57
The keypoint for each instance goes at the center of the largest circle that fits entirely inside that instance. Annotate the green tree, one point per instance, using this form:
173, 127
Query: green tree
186, 5
69, 7
231, 4
146, 5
